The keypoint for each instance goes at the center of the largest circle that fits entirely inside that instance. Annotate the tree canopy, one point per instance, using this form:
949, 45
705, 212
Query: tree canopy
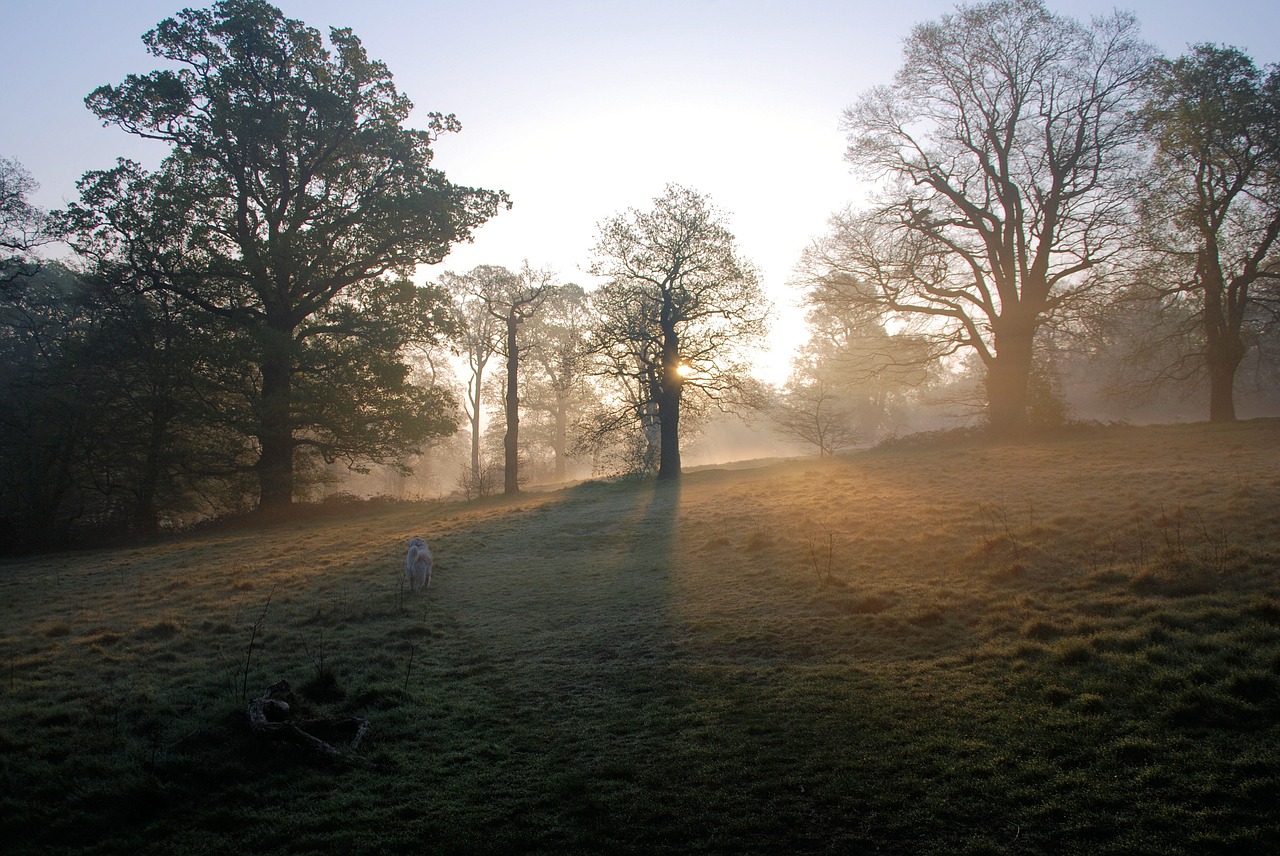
1005, 146
1212, 209
291, 204
678, 311
23, 227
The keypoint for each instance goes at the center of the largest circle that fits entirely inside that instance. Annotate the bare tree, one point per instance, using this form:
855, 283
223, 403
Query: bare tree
678, 312
476, 337
560, 385
23, 227
815, 412
512, 301
1005, 147
1212, 212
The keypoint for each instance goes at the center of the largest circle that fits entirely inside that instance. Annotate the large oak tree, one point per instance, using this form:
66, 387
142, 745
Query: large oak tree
1004, 151
296, 191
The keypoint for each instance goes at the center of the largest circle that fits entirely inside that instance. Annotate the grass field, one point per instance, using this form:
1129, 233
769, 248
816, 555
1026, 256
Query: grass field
1071, 646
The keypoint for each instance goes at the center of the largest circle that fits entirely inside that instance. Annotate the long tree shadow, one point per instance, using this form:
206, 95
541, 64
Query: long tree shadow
560, 618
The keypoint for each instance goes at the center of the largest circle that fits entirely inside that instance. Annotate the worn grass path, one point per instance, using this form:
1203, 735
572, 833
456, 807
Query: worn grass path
1070, 646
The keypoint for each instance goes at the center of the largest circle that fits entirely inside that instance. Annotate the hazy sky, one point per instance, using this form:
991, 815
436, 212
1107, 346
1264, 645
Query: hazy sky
577, 108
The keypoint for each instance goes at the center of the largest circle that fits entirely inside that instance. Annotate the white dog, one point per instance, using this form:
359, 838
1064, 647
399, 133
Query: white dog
417, 565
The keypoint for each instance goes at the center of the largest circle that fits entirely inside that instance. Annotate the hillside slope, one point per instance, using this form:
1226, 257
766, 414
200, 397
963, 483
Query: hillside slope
1069, 646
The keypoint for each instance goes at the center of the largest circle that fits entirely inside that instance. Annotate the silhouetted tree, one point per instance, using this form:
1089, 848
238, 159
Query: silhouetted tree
512, 303
23, 227
1212, 208
678, 312
300, 197
560, 384
477, 337
1006, 143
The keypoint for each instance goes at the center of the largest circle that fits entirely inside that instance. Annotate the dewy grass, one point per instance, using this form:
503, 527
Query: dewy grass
1063, 647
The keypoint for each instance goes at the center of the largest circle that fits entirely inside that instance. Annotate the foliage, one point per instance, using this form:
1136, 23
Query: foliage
1005, 144
291, 198
676, 315
1212, 212
109, 425
23, 227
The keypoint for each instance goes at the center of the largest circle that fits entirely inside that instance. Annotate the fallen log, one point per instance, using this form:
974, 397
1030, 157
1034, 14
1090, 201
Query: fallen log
272, 716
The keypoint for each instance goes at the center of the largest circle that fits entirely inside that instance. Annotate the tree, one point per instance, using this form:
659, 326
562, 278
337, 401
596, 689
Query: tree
513, 301
1212, 216
559, 387
477, 336
290, 202
105, 423
814, 411
678, 313
22, 226
1006, 141
47, 417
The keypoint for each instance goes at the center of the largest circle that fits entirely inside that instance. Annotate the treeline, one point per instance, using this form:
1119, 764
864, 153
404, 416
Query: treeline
1054, 200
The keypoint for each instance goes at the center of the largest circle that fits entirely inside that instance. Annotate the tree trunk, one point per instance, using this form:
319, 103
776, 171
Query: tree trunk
275, 435
671, 388
1222, 406
511, 440
145, 515
1224, 350
669, 433
560, 440
1008, 380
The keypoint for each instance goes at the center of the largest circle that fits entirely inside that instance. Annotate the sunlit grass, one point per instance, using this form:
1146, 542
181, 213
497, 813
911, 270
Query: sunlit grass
1069, 646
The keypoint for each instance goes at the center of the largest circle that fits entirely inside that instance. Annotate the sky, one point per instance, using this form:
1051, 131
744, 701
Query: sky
578, 109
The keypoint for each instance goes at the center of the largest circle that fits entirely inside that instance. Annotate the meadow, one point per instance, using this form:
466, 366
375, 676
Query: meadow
1066, 646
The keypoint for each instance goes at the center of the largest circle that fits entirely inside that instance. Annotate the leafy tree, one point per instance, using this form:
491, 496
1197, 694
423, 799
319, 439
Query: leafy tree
1212, 213
163, 446
111, 409
1006, 143
46, 420
22, 226
677, 314
291, 193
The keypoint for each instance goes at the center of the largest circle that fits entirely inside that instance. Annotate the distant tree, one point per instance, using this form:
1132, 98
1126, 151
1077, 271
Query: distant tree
560, 384
678, 312
477, 337
513, 302
1212, 207
852, 350
298, 198
816, 413
23, 227
1006, 140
